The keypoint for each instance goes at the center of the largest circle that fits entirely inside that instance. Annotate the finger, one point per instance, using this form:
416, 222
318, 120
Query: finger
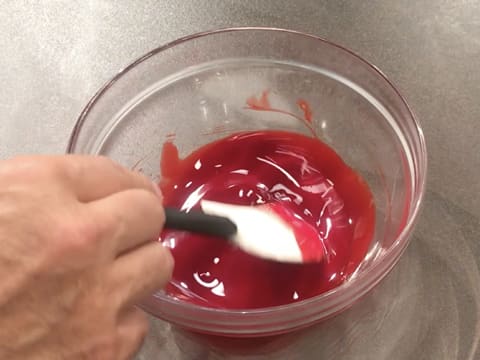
140, 272
132, 329
128, 219
95, 177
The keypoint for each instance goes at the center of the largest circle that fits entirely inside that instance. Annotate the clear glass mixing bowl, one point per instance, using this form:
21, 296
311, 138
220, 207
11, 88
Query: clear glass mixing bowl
197, 89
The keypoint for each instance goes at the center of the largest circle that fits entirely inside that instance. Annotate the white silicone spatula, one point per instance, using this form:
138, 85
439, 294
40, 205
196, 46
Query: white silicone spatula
259, 230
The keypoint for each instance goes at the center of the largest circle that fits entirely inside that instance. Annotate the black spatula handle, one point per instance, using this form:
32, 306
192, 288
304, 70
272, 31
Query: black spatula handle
199, 222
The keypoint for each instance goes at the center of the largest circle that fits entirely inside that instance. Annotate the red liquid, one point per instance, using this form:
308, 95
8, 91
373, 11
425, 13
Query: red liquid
290, 170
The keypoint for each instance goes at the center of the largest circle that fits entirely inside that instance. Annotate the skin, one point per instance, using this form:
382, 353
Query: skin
76, 254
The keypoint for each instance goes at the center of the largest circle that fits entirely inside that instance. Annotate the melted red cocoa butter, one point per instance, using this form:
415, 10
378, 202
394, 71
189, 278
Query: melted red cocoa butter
262, 103
307, 111
288, 171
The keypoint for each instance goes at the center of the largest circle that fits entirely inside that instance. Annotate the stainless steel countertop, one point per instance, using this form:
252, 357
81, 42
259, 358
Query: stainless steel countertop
55, 54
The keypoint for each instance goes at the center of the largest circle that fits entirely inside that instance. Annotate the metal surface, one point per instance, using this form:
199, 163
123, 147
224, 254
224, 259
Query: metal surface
55, 54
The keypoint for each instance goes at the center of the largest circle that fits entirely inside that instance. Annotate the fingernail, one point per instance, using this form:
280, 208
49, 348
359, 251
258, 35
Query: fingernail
157, 190
169, 259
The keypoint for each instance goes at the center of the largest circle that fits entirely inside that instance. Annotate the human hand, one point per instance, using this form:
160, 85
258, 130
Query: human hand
76, 254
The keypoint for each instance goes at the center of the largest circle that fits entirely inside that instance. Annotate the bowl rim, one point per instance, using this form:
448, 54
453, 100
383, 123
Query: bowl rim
402, 239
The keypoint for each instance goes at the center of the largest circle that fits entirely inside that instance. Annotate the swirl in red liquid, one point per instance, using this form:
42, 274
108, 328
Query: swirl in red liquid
297, 172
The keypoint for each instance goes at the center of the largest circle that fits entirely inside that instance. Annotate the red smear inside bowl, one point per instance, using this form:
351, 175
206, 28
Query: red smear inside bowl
295, 174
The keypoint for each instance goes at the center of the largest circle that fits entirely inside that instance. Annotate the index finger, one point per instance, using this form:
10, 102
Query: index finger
95, 177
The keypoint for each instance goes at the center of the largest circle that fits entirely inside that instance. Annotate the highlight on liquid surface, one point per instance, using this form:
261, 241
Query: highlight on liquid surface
288, 169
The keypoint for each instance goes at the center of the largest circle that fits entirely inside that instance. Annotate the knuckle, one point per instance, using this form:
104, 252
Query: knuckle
143, 203
149, 208
107, 162
68, 239
75, 237
114, 225
91, 229
73, 169
24, 167
106, 349
149, 203
70, 170
147, 198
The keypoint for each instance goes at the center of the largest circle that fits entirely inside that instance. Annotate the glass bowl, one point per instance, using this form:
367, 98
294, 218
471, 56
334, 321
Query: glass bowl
205, 86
